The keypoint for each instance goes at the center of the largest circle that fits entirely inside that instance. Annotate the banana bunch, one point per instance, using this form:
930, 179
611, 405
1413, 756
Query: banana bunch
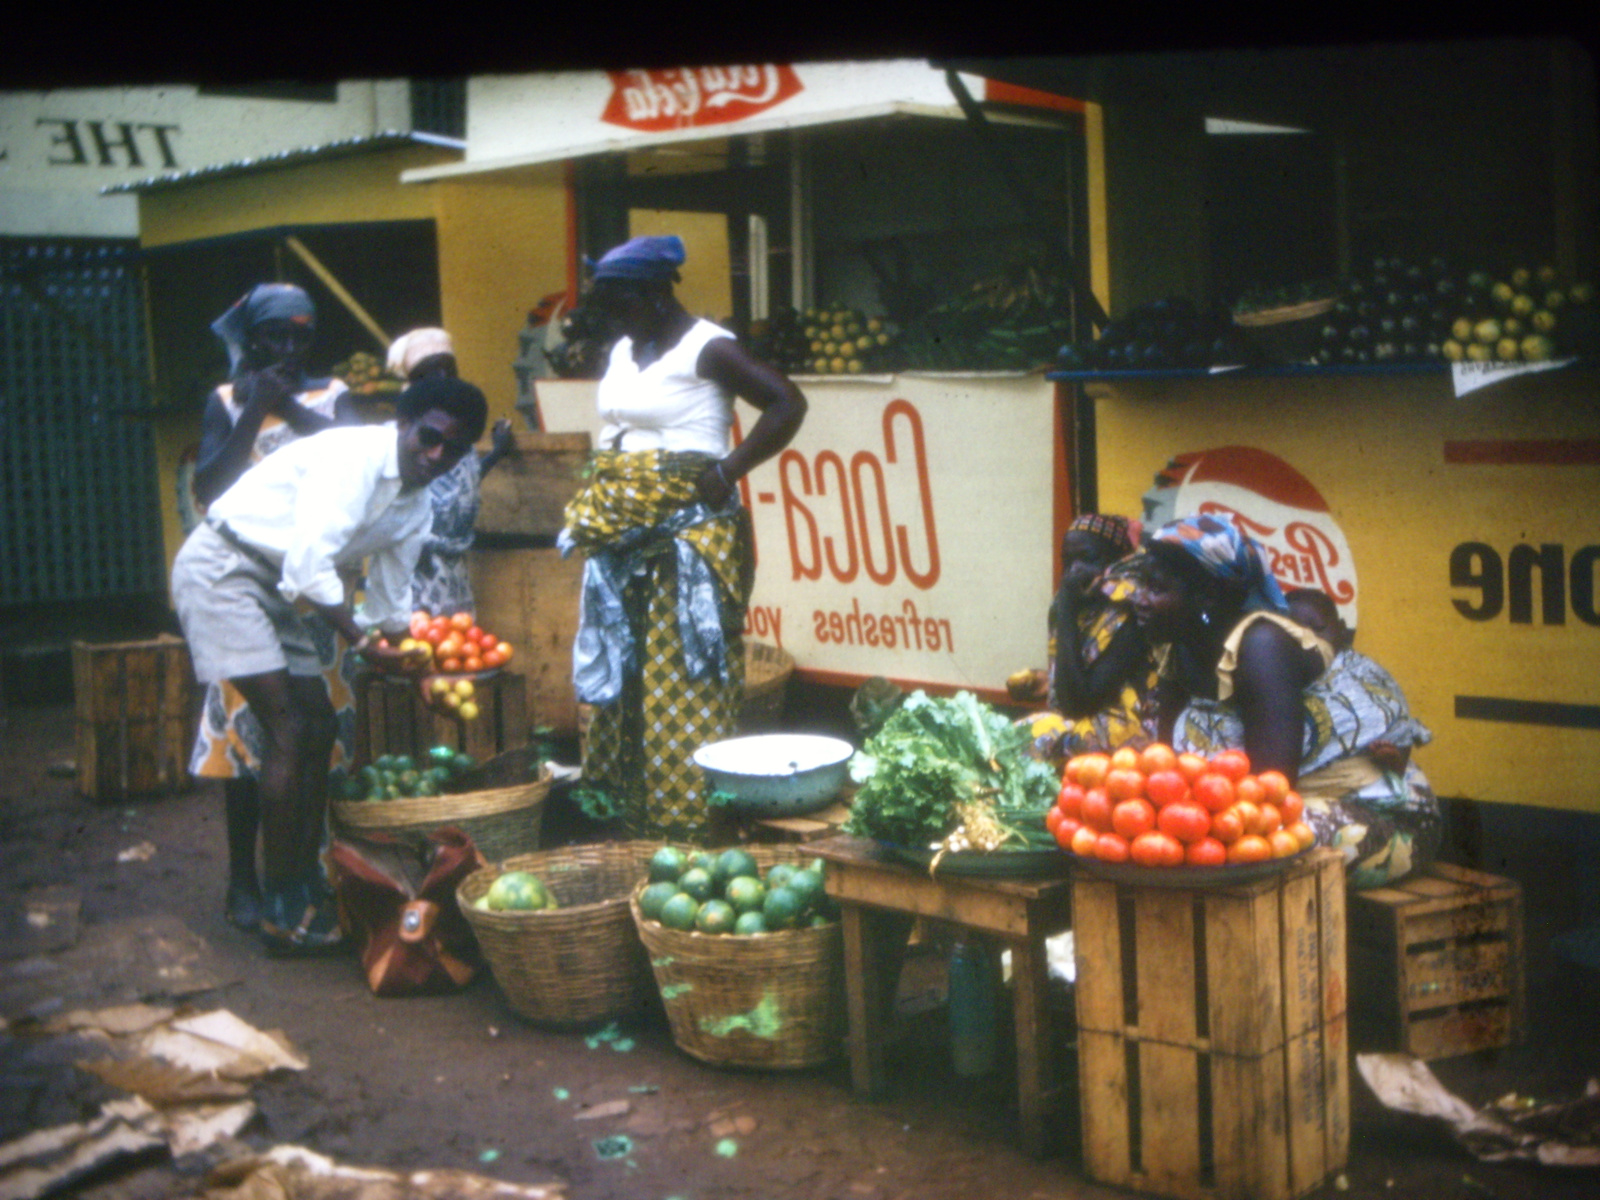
363, 372
1013, 320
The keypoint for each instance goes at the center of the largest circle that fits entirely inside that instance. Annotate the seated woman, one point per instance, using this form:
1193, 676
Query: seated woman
1102, 670
1241, 673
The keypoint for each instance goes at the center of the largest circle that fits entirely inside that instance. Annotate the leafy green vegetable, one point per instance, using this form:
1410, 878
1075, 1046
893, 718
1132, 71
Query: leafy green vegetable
933, 753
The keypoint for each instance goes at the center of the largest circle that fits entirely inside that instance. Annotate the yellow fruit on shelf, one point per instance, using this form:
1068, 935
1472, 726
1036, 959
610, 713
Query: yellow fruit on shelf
1506, 349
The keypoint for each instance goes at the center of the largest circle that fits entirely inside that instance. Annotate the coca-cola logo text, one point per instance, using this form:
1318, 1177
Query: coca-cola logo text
684, 97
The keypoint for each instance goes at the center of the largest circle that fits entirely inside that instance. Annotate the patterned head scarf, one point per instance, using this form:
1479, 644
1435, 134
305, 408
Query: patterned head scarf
1226, 555
409, 349
264, 302
653, 259
1118, 531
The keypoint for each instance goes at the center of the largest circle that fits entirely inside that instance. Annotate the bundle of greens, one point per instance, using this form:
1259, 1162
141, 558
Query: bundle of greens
951, 774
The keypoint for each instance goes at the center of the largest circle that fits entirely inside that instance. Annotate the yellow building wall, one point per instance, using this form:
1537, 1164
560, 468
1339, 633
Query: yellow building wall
1374, 446
502, 247
707, 288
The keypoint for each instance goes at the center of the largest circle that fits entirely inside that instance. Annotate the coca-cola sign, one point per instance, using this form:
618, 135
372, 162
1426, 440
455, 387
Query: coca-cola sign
685, 97
1270, 501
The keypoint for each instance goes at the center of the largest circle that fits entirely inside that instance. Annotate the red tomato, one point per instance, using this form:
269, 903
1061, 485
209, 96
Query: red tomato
1269, 820
1069, 770
1292, 807
1084, 840
1132, 817
1250, 814
1207, 852
1185, 820
1276, 786
1303, 834
1092, 770
1112, 848
1252, 847
492, 659
503, 649
1235, 764
1053, 817
1157, 757
472, 664
474, 635
1124, 783
438, 630
1214, 791
1227, 826
1192, 766
1283, 843
1166, 787
1249, 788
1070, 801
450, 666
461, 621
1095, 809
1148, 849
1066, 829
1125, 758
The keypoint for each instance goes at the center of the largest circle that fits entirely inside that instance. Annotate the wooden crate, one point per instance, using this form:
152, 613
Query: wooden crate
1436, 963
527, 492
133, 703
529, 596
1213, 1060
391, 718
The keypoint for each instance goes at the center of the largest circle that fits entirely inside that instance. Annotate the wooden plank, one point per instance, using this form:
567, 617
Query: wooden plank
142, 696
1300, 937
1169, 1119
1245, 982
525, 494
513, 730
1103, 1100
1457, 974
177, 694
1453, 1031
1251, 1090
863, 1000
1331, 915
1097, 948
1317, 1091
977, 908
530, 598
1035, 1047
1464, 921
1164, 964
105, 779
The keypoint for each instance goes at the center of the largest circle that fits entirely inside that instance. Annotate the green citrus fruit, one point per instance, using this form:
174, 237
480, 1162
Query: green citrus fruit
779, 874
517, 891
807, 885
750, 923
715, 916
697, 882
730, 864
654, 896
666, 864
679, 912
782, 908
746, 893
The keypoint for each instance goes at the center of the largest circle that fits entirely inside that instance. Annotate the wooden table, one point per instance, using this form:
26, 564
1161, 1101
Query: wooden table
871, 888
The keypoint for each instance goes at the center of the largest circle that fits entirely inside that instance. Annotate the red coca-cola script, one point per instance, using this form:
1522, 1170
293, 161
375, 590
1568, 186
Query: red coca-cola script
684, 97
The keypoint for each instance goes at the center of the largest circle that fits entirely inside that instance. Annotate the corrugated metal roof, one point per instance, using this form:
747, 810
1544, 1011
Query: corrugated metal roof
386, 140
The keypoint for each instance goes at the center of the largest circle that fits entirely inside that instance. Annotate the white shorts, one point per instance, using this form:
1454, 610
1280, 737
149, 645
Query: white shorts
235, 620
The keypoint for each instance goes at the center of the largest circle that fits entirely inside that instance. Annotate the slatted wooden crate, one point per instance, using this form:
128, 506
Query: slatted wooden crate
133, 705
391, 718
1213, 1059
1436, 963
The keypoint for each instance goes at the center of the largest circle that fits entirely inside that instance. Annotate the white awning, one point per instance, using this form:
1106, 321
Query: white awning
527, 120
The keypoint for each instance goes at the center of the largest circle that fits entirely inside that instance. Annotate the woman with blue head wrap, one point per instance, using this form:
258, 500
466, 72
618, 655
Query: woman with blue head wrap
1243, 670
670, 558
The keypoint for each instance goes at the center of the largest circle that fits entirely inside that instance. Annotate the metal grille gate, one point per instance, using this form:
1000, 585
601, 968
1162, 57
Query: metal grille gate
79, 514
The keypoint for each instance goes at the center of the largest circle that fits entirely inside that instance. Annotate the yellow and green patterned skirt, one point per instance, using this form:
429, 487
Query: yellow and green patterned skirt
639, 748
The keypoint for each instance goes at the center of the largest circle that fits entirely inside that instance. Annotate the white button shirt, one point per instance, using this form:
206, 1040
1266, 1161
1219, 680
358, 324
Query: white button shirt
328, 501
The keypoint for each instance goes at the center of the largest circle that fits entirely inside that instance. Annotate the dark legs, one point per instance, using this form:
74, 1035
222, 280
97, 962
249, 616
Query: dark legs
242, 805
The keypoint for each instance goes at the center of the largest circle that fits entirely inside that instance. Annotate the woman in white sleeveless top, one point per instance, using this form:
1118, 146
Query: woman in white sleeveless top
670, 563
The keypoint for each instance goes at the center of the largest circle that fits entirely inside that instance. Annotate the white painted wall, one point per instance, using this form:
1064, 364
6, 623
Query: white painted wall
59, 148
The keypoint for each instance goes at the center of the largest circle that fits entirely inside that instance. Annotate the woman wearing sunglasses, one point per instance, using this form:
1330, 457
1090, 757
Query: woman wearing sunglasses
269, 401
269, 554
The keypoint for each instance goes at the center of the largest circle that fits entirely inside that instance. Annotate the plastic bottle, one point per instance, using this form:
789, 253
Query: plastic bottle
972, 1007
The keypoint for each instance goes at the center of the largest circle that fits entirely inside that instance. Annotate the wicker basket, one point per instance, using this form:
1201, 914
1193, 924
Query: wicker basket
500, 821
772, 1000
766, 680
576, 964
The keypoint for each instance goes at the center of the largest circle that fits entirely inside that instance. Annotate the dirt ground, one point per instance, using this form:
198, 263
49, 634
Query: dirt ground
461, 1082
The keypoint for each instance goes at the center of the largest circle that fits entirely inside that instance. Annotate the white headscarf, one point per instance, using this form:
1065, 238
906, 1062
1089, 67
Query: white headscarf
411, 348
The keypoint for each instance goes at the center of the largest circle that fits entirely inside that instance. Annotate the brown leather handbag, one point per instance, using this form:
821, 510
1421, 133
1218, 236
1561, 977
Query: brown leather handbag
397, 901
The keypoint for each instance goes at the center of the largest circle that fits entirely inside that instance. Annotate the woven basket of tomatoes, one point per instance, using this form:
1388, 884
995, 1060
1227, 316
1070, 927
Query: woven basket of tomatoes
1154, 815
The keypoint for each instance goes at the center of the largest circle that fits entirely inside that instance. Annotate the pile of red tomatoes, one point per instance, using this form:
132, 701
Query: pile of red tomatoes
1157, 808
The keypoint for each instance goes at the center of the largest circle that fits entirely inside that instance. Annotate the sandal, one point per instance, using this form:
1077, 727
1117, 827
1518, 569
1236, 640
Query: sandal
296, 922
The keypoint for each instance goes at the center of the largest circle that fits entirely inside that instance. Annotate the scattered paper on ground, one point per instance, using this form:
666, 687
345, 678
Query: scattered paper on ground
143, 852
49, 1159
187, 1075
295, 1173
1554, 1134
